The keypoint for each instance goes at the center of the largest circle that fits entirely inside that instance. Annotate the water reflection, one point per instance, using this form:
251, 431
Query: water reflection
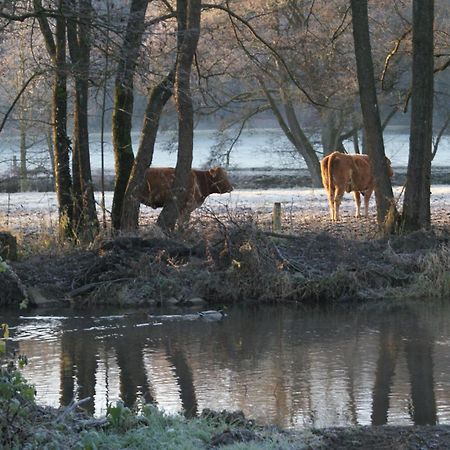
417, 342
279, 365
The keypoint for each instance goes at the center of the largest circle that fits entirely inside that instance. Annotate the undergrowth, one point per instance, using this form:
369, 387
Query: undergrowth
433, 277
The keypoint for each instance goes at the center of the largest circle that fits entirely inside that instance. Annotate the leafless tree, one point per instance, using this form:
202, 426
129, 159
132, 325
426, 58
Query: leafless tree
371, 116
188, 20
416, 205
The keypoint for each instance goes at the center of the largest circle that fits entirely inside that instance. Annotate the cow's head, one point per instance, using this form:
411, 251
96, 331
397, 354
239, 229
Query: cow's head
219, 180
389, 166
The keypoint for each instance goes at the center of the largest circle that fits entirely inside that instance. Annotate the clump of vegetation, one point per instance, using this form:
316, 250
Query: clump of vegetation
433, 277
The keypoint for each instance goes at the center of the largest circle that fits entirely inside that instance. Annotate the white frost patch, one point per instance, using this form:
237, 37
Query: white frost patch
37, 211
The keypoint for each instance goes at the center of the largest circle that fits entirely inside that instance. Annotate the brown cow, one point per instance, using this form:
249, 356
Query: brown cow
156, 190
346, 173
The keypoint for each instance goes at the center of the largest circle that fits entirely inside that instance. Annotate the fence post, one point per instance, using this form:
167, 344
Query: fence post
276, 217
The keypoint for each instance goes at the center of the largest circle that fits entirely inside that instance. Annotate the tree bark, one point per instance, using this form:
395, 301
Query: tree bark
188, 19
56, 48
123, 105
79, 40
386, 210
416, 203
157, 99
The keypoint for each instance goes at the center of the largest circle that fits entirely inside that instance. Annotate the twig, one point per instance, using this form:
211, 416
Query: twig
285, 260
90, 286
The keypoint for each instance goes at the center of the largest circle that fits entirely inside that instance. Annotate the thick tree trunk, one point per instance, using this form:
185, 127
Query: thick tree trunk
85, 215
56, 48
188, 18
158, 97
386, 210
63, 181
123, 105
416, 204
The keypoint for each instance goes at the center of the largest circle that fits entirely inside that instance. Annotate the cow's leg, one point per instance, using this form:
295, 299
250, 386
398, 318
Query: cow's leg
367, 195
357, 197
337, 201
331, 192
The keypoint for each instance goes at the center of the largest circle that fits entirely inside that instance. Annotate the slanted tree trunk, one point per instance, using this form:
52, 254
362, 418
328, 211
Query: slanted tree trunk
386, 210
78, 35
416, 204
123, 105
188, 20
294, 132
157, 99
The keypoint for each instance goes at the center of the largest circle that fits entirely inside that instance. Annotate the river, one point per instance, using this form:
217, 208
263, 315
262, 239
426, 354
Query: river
259, 148
282, 365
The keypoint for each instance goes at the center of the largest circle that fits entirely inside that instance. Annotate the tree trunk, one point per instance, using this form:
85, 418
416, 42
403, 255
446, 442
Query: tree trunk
386, 210
85, 215
294, 133
123, 105
158, 97
188, 19
416, 204
331, 130
23, 172
63, 181
56, 48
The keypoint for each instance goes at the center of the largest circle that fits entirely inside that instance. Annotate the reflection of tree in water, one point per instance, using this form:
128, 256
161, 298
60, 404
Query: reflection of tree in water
79, 356
183, 373
272, 358
78, 363
418, 347
133, 378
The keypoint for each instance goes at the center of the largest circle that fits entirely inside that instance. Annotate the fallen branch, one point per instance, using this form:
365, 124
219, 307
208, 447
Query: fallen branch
91, 286
73, 405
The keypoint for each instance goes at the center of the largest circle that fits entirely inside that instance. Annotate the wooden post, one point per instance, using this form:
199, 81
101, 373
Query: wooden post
276, 217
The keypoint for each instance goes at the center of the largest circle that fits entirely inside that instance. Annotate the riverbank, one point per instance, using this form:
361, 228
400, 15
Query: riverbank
230, 254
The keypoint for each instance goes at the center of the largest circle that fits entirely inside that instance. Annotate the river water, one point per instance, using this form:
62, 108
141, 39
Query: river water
281, 365
256, 148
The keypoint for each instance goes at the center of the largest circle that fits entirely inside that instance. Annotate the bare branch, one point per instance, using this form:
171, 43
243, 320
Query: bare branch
391, 54
22, 90
278, 57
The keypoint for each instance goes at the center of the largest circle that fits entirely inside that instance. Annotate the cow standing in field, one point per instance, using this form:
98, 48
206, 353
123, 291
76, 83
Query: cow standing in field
348, 173
156, 190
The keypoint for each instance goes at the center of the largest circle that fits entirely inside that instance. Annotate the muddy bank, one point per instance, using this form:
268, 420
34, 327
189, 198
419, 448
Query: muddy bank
228, 259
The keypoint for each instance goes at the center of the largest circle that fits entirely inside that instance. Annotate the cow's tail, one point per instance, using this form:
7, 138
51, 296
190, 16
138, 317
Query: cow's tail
327, 180
330, 172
